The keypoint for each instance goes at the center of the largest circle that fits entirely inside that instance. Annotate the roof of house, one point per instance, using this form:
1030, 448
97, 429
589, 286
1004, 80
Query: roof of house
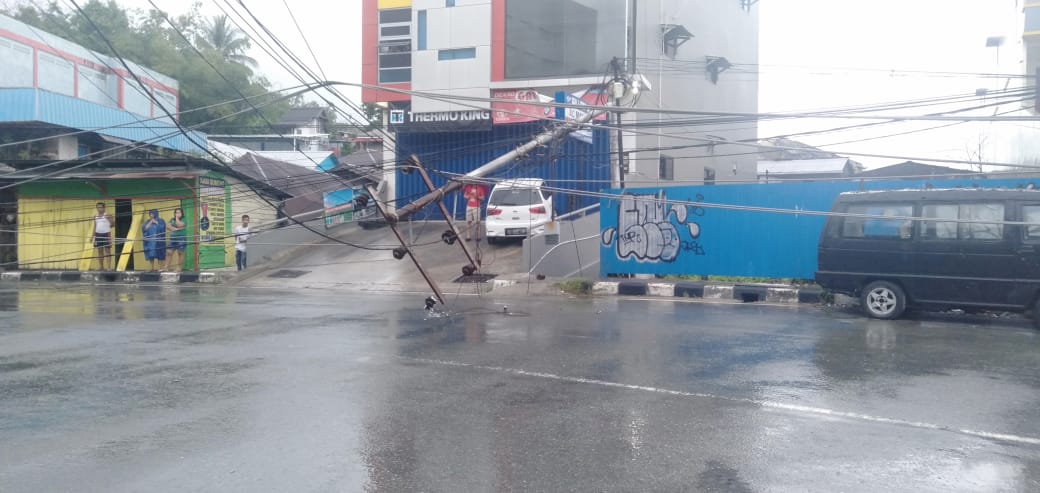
793, 150
914, 169
304, 159
365, 163
305, 185
836, 166
300, 116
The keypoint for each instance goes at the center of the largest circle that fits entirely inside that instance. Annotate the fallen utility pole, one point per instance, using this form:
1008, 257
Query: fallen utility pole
452, 235
399, 253
493, 165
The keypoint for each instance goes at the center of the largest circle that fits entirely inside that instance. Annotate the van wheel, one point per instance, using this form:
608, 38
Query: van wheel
883, 299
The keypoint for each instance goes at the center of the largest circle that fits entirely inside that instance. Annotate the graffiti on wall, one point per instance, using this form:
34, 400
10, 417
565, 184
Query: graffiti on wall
649, 229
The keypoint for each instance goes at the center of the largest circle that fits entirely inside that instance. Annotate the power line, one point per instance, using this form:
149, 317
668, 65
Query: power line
183, 131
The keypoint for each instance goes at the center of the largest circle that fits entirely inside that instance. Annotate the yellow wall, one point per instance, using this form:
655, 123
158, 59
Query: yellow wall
393, 4
54, 234
57, 233
245, 201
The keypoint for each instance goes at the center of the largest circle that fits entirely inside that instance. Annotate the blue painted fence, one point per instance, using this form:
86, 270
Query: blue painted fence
570, 164
643, 235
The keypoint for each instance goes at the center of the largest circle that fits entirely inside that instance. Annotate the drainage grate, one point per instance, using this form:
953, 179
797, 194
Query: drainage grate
288, 274
475, 278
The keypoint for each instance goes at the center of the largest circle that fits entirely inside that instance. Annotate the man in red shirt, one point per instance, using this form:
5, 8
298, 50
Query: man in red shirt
474, 194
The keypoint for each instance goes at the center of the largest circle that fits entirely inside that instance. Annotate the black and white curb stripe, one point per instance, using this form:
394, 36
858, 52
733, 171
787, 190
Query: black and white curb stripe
741, 292
771, 293
113, 277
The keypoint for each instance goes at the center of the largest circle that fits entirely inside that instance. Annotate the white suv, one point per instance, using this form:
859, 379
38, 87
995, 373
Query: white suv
517, 209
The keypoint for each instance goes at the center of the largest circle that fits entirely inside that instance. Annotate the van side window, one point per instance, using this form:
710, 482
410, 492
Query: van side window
953, 230
982, 231
878, 227
942, 230
1031, 214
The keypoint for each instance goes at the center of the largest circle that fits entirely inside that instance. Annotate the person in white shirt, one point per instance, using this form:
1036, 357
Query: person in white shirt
241, 237
102, 235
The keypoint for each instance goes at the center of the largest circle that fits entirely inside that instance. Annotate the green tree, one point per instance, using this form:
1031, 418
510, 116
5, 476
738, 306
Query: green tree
373, 116
229, 40
147, 39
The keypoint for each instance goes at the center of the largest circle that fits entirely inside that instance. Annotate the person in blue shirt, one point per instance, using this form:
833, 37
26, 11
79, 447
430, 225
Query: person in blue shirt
154, 239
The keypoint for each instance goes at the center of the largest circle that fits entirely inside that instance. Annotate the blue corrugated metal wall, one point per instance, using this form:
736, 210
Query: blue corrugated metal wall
71, 112
22, 105
640, 235
570, 163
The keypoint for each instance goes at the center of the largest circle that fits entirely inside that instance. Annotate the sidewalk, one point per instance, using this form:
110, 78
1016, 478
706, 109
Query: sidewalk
131, 277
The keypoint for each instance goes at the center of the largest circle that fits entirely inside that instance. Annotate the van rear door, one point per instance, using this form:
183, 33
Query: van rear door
1027, 247
962, 261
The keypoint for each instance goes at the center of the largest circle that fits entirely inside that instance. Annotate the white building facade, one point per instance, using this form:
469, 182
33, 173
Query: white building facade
468, 52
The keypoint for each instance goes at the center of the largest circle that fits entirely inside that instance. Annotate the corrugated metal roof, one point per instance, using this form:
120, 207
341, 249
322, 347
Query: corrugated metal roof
304, 159
300, 116
291, 179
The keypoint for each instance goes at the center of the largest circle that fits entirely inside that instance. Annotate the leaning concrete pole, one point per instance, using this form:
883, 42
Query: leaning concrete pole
499, 162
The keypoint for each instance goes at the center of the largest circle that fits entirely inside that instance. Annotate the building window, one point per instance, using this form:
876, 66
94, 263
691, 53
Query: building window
667, 168
449, 3
563, 38
420, 37
394, 31
457, 54
1032, 14
709, 176
395, 46
391, 16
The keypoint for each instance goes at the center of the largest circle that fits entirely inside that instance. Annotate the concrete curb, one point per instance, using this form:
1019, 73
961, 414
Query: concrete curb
747, 293
116, 277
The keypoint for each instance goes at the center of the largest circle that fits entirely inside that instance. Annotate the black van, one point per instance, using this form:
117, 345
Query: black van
934, 249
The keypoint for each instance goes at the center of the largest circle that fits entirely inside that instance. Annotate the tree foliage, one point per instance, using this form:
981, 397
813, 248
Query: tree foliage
229, 40
146, 38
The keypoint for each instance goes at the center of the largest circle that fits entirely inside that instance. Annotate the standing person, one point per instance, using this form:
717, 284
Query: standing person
178, 240
102, 235
241, 237
154, 229
474, 194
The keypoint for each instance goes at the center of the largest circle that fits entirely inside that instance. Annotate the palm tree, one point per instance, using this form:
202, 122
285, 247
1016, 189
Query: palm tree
229, 40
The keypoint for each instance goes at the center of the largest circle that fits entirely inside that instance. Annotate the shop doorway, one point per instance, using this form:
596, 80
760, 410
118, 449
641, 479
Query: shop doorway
124, 219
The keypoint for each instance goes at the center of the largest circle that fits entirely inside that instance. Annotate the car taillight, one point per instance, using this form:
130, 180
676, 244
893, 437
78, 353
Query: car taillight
538, 210
494, 212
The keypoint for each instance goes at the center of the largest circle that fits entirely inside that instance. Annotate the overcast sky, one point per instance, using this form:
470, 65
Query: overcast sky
812, 53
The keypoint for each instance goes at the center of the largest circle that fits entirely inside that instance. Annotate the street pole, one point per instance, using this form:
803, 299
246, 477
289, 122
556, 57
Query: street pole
620, 135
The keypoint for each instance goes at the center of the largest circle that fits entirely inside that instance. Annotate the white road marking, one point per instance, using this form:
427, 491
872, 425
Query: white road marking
795, 408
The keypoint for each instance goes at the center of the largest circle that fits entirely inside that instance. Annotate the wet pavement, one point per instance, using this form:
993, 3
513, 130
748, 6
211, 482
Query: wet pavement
168, 388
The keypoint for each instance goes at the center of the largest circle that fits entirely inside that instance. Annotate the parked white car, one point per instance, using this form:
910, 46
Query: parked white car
517, 209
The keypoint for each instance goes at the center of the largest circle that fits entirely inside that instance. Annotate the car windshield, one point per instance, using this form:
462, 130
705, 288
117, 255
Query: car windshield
515, 196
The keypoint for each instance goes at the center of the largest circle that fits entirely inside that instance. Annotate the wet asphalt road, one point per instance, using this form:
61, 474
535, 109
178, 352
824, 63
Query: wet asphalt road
203, 389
